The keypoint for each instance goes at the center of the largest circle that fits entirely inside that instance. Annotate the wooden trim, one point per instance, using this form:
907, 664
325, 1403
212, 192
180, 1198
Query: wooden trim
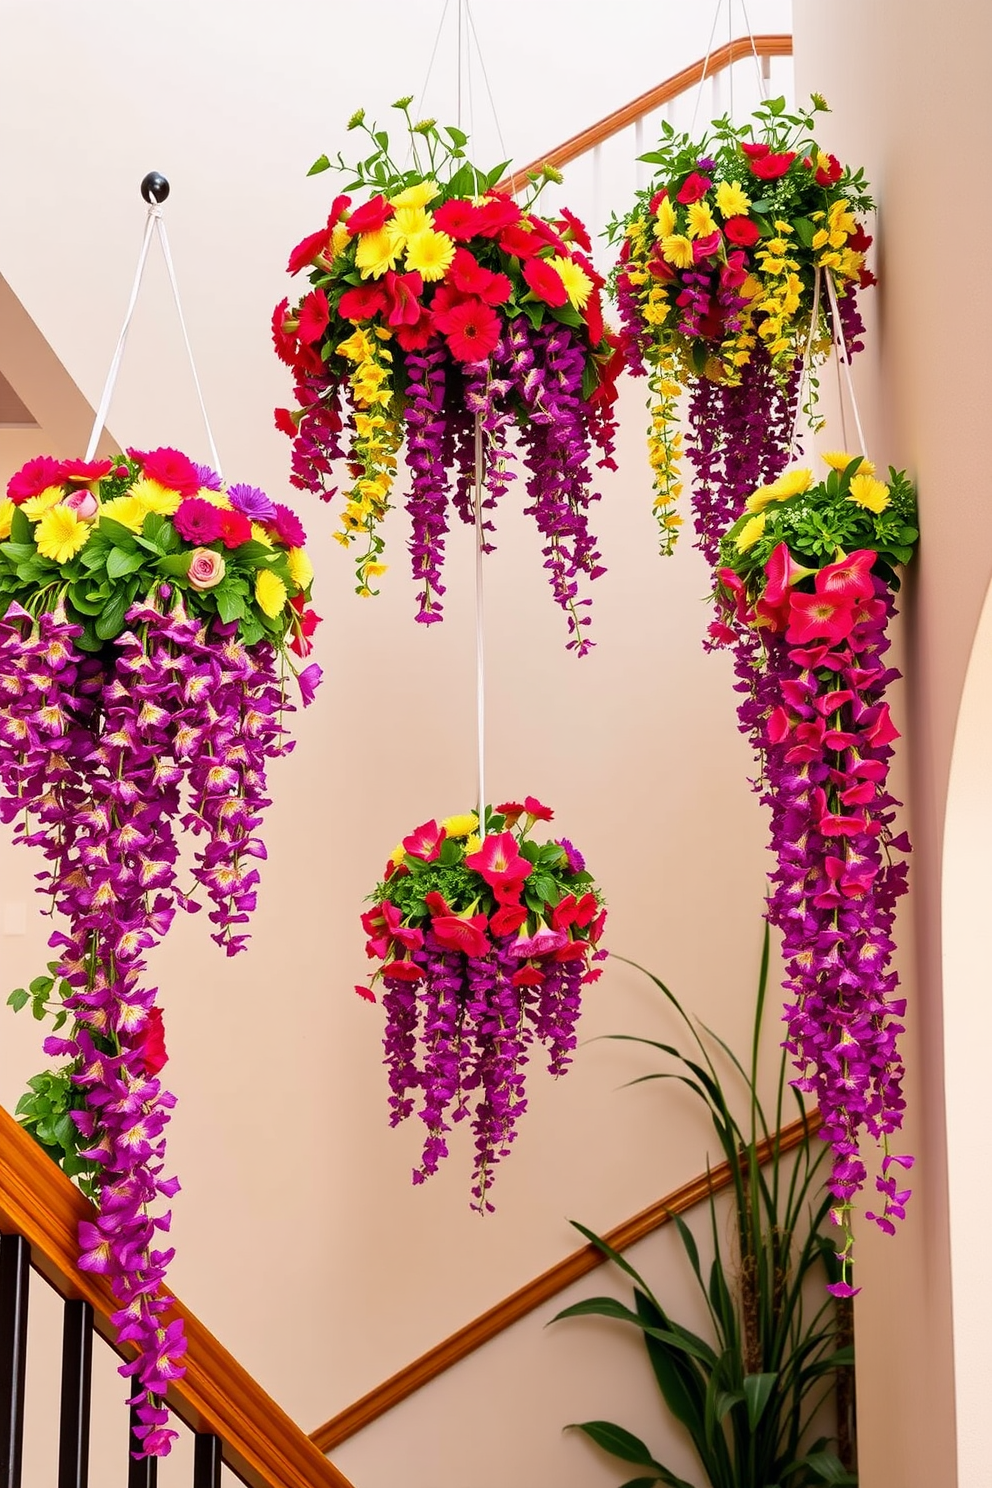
260, 1442
689, 77
538, 1291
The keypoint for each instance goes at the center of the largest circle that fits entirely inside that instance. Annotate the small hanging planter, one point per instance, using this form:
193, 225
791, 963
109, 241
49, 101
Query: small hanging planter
442, 313
741, 260
485, 944
805, 598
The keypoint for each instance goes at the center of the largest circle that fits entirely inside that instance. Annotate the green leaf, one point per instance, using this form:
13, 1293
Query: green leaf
21, 530
457, 136
119, 535
42, 984
120, 563
757, 1392
828, 1468
615, 1439
230, 605
568, 315
110, 621
805, 231
320, 164
18, 999
176, 564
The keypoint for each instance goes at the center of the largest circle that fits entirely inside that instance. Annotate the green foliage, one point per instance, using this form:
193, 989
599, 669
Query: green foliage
747, 1393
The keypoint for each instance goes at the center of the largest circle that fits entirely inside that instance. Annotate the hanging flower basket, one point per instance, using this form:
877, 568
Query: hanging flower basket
439, 309
730, 264
485, 945
149, 614
805, 598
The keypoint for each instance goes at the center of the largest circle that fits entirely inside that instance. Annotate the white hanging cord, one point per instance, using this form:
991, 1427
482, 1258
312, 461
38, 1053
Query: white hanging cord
163, 236
844, 359
480, 656
460, 55
730, 64
153, 223
754, 52
706, 63
430, 65
485, 78
806, 369
115, 361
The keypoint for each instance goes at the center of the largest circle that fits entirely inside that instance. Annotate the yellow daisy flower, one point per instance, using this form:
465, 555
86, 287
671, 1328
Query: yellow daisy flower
300, 567
156, 498
750, 533
677, 251
473, 844
701, 220
870, 493
415, 196
7, 510
260, 535
839, 460
397, 855
664, 219
340, 238
732, 200
127, 510
407, 223
793, 483
60, 534
356, 348
36, 506
376, 252
429, 254
461, 826
578, 285
270, 593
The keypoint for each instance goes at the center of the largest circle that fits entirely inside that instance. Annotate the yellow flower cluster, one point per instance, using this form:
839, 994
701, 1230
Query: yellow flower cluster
378, 434
781, 293
409, 234
665, 452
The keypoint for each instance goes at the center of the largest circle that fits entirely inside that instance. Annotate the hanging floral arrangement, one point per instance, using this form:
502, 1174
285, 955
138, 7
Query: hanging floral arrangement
485, 944
149, 614
437, 308
805, 598
740, 261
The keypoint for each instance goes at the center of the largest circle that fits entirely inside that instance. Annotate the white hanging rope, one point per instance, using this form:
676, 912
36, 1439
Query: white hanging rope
480, 649
485, 78
706, 63
754, 52
153, 223
844, 359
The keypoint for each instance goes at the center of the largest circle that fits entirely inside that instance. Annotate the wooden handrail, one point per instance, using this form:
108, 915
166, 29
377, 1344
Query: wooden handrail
588, 139
260, 1442
359, 1415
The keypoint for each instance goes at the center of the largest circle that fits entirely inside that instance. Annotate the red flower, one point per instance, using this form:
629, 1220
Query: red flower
706, 247
573, 950
755, 151
469, 277
594, 317
313, 316
546, 235
508, 892
425, 842
446, 298
831, 172
458, 934
403, 971
403, 293
235, 529
459, 219
150, 1043
365, 992
534, 808
362, 302
660, 269
520, 242
34, 477
512, 810
734, 272
473, 331
303, 626
577, 229
339, 206
197, 521
497, 213
657, 200
287, 527
306, 252
598, 282
285, 422
769, 167
371, 216
812, 616
85, 471
849, 579
694, 188
527, 976
285, 341
415, 337
859, 240
742, 231
498, 860
508, 917
173, 470
545, 282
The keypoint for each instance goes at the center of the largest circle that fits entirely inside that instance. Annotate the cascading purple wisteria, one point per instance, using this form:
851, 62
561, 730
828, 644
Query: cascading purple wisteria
478, 1018
103, 759
810, 640
739, 437
484, 945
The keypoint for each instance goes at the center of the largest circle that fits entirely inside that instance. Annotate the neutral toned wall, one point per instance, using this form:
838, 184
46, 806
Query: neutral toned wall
908, 85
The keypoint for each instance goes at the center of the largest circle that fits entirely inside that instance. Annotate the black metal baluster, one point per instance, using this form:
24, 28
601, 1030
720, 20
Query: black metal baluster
143, 1474
207, 1461
15, 1268
74, 1419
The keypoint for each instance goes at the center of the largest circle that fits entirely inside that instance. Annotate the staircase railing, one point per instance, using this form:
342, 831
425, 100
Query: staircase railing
236, 1423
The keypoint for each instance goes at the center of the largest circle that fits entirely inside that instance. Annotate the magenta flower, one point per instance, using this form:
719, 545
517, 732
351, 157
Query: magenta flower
198, 521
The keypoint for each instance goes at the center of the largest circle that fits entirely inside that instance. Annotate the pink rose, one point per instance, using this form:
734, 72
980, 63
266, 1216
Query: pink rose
206, 568
83, 503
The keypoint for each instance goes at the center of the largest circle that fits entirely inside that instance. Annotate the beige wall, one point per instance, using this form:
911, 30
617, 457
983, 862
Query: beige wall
909, 88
